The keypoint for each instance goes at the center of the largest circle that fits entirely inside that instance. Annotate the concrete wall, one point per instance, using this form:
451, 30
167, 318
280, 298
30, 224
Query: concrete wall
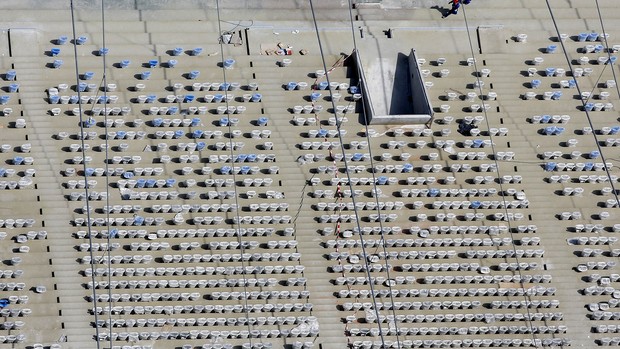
418, 109
420, 99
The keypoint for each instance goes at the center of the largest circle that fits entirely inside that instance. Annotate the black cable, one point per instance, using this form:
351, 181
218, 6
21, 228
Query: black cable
239, 235
107, 160
374, 179
237, 25
88, 219
499, 176
583, 104
595, 85
613, 71
344, 158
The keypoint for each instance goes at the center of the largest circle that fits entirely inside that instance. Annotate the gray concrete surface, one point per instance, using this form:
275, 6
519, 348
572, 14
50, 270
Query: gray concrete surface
141, 31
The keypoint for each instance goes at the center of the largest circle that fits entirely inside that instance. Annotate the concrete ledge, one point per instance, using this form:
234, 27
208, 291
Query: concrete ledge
400, 119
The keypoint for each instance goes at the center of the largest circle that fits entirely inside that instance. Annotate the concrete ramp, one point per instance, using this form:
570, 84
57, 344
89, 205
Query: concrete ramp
393, 89
4, 43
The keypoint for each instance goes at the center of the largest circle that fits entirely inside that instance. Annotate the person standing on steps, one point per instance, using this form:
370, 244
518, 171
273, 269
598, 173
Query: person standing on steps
455, 8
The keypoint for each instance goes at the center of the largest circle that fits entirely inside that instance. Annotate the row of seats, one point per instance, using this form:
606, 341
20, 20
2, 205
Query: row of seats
12, 339
458, 317
239, 270
153, 297
515, 253
344, 193
466, 204
611, 142
55, 97
213, 309
413, 305
608, 341
243, 170
470, 216
438, 242
291, 281
466, 267
379, 280
593, 240
550, 119
95, 246
193, 158
331, 121
604, 306
17, 222
418, 254
188, 322
15, 312
126, 259
115, 171
130, 135
485, 279
24, 183
554, 303
180, 233
611, 328
366, 230
11, 172
186, 208
579, 166
24, 148
22, 160
196, 134
538, 290
316, 109
358, 268
212, 283
285, 219
471, 330
604, 315
602, 265
450, 279
138, 221
357, 257
262, 207
583, 179
548, 155
458, 343
139, 347
436, 305
470, 229
145, 297
165, 195
349, 206
92, 196
586, 252
284, 333
246, 182
603, 280
163, 110
235, 257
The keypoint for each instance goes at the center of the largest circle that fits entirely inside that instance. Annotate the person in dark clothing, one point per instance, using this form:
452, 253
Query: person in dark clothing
455, 8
